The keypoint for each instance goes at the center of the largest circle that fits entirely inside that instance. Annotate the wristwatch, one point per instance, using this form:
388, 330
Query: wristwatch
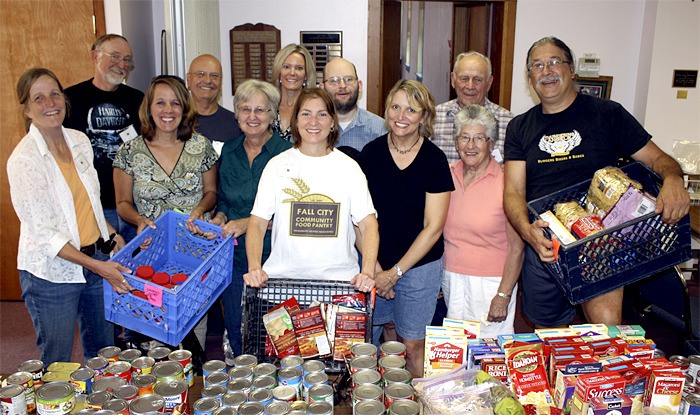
399, 272
503, 295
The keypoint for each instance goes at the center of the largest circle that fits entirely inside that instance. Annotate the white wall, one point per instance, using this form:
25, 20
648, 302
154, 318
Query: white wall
676, 46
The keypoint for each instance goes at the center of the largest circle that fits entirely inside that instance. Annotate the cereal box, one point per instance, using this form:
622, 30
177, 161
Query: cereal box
614, 405
664, 390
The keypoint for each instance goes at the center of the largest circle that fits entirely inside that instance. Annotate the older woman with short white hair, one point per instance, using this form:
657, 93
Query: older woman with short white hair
483, 253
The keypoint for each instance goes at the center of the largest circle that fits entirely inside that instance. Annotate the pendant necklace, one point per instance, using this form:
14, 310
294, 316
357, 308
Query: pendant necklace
402, 151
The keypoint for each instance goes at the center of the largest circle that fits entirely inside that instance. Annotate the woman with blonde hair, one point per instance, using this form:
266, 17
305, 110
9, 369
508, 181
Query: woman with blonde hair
293, 70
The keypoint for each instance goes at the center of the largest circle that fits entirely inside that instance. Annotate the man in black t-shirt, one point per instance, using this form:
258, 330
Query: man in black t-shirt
562, 142
107, 111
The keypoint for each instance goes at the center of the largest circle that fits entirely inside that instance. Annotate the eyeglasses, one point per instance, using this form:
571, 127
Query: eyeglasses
477, 139
214, 76
538, 67
347, 80
116, 58
256, 111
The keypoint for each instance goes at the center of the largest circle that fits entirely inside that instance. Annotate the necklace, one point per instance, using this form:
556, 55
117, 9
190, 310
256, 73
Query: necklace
403, 151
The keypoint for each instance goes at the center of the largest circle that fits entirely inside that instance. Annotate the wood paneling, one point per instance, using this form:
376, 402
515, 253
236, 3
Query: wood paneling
56, 34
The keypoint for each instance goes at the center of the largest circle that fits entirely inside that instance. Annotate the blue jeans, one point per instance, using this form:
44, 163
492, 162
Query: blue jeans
124, 228
231, 303
54, 309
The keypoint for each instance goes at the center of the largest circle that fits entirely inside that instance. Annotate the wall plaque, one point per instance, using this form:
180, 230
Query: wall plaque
323, 46
253, 50
685, 78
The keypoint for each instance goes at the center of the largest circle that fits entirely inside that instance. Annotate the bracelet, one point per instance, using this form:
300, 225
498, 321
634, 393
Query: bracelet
503, 295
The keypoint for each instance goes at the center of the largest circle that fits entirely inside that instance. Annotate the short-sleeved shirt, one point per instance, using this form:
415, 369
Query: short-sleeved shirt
238, 185
567, 147
363, 128
219, 127
399, 196
156, 192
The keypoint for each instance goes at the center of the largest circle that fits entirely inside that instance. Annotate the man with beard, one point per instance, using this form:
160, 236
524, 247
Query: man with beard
595, 133
471, 79
213, 121
107, 111
357, 126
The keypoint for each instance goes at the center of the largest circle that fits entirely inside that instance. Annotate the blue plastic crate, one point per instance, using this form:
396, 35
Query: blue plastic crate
173, 249
621, 254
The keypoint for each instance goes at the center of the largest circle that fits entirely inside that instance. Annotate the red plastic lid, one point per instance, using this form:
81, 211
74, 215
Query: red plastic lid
144, 271
179, 278
161, 278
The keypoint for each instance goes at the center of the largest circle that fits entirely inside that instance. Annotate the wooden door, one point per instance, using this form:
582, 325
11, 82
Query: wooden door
56, 34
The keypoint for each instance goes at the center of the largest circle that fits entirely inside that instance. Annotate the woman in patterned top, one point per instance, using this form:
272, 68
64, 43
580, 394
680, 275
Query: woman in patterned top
294, 71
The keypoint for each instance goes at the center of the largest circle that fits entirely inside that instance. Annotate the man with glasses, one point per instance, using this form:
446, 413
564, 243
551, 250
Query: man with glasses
471, 79
561, 142
357, 126
107, 111
213, 121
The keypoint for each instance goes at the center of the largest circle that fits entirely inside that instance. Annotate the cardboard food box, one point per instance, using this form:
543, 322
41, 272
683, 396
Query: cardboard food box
614, 405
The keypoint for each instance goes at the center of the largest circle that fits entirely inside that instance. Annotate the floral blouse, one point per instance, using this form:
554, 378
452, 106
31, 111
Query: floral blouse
154, 190
287, 134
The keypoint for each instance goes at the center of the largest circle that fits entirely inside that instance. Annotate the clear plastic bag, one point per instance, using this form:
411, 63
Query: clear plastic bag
687, 153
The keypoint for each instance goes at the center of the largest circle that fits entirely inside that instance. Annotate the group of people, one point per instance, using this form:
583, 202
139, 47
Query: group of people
427, 199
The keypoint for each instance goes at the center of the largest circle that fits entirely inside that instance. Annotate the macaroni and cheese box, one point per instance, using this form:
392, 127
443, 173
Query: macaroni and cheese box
664, 390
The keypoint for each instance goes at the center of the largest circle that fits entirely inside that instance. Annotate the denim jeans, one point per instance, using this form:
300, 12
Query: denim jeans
231, 303
54, 309
124, 228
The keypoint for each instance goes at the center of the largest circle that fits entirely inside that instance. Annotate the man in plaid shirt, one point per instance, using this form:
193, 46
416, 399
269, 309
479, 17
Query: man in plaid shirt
471, 78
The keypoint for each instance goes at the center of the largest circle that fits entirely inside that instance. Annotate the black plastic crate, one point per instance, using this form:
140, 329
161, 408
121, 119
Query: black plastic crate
258, 301
621, 254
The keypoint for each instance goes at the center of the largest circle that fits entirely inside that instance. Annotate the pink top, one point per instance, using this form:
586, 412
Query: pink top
475, 229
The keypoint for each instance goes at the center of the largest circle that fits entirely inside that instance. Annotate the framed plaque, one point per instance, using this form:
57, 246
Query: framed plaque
323, 46
253, 50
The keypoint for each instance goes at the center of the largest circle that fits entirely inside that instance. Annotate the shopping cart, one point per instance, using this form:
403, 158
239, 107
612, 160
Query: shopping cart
258, 301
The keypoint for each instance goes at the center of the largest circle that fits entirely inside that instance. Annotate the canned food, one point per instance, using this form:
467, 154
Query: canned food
404, 408
241, 373
694, 367
99, 365
264, 382
278, 408
147, 403
97, 399
216, 378
391, 376
160, 353
145, 383
320, 393
265, 369
119, 369
297, 411
284, 394
245, 360
26, 381
690, 405
225, 410
362, 362
108, 383
184, 357
205, 406
216, 391
320, 408
13, 400
142, 365
392, 348
312, 366
251, 408
174, 391
239, 385
104, 412
55, 398
63, 367
369, 408
234, 399
82, 380
397, 392
119, 406
367, 393
264, 396
290, 376
127, 392
129, 355
36, 368
363, 349
658, 353
110, 353
299, 406
680, 361
85, 411
291, 361
366, 377
313, 379
212, 366
168, 370
55, 377
391, 362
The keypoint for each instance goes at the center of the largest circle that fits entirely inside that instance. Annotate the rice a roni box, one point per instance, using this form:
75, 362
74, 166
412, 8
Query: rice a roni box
664, 390
472, 329
496, 367
615, 405
443, 353
594, 385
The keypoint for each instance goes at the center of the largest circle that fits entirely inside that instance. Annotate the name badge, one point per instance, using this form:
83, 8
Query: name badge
128, 134
81, 163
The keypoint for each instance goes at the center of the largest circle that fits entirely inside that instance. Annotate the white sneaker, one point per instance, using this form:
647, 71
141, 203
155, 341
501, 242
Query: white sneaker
228, 352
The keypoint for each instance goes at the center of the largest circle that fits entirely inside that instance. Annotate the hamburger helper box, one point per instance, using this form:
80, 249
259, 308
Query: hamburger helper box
608, 347
589, 386
615, 405
636, 375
